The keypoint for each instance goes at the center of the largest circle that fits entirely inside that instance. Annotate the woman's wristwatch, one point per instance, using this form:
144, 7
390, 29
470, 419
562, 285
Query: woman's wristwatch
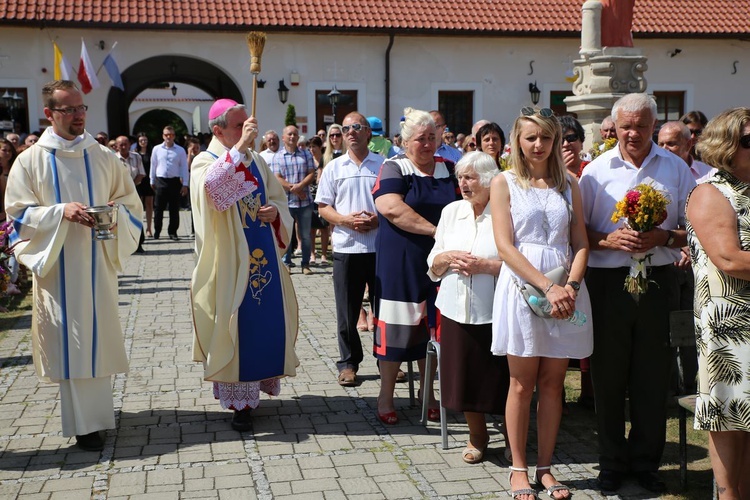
574, 285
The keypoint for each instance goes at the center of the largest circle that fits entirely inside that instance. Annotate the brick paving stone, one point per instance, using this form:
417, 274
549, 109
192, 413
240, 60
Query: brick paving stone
282, 473
237, 494
399, 489
163, 476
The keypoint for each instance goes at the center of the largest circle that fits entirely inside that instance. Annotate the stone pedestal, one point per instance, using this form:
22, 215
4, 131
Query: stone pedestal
601, 79
603, 74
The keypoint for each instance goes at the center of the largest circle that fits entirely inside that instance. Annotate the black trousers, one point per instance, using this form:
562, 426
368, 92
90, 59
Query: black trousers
167, 192
351, 272
632, 359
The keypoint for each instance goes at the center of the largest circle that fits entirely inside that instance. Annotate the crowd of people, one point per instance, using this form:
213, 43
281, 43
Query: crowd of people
448, 238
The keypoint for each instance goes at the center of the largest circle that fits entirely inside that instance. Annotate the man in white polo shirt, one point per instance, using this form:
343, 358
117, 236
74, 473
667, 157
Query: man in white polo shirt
344, 199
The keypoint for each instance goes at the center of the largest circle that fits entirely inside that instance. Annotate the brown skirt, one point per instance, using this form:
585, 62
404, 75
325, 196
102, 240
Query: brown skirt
471, 377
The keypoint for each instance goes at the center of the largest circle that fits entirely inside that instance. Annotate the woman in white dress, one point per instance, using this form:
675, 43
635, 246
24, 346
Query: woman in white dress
538, 224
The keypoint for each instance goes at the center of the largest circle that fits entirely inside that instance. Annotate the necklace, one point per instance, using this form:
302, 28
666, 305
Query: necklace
545, 219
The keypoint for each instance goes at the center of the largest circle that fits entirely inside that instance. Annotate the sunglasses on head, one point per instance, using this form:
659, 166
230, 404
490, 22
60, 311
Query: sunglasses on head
529, 111
355, 126
570, 138
745, 141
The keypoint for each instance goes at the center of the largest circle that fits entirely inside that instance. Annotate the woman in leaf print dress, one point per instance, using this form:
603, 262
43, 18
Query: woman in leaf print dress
718, 214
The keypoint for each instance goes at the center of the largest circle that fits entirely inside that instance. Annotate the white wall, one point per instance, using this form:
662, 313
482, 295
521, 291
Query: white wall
495, 68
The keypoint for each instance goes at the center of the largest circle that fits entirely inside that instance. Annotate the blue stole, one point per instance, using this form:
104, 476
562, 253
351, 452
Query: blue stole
261, 324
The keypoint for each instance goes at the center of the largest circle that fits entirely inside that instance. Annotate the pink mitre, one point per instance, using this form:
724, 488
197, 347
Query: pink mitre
219, 108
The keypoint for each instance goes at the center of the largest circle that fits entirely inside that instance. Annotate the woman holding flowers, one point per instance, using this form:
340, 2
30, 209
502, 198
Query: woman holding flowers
718, 213
538, 225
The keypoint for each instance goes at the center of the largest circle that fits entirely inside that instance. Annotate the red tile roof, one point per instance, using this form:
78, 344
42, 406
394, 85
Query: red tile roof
652, 18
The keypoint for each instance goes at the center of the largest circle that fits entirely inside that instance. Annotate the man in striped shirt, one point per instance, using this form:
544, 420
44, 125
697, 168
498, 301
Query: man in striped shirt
344, 199
295, 170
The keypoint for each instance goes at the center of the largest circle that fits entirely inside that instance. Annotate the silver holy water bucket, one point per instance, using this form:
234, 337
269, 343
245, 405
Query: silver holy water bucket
105, 218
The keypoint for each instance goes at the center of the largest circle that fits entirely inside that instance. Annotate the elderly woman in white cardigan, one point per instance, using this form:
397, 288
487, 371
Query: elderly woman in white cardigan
465, 259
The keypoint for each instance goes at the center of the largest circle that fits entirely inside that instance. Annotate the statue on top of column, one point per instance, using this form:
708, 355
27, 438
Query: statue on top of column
617, 19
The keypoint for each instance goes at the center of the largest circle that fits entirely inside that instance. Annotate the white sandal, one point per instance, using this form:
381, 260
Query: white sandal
523, 491
555, 487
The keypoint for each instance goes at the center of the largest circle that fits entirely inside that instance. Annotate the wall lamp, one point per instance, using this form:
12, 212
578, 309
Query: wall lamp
283, 92
174, 89
674, 52
535, 93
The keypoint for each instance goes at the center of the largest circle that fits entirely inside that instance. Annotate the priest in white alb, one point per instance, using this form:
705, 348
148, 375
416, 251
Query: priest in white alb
244, 307
77, 339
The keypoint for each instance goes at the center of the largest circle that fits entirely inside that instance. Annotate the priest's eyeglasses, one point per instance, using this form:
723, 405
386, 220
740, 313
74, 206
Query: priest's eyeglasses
544, 112
71, 111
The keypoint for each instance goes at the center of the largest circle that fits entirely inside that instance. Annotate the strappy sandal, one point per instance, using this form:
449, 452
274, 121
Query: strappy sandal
552, 489
472, 454
524, 491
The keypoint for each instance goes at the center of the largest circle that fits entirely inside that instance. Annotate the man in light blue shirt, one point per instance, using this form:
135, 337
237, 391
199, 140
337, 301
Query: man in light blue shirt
443, 150
345, 200
169, 180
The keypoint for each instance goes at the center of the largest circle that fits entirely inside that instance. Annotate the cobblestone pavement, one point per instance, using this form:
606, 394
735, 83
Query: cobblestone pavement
173, 440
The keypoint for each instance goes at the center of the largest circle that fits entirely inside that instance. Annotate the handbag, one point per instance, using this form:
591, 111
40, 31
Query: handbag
558, 275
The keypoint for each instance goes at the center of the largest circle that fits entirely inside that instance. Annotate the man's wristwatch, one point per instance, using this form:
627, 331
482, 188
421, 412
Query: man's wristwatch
670, 239
574, 285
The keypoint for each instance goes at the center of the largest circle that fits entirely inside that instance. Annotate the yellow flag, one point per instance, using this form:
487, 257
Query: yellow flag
61, 64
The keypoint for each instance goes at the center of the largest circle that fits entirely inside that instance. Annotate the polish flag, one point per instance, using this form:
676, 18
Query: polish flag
86, 73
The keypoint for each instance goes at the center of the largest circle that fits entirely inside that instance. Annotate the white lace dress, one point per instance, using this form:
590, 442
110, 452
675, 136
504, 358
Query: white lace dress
541, 221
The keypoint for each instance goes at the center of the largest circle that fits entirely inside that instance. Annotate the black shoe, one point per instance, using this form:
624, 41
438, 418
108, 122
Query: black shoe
241, 420
90, 442
173, 237
610, 480
156, 236
649, 480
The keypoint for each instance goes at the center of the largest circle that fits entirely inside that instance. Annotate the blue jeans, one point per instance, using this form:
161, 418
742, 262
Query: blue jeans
303, 218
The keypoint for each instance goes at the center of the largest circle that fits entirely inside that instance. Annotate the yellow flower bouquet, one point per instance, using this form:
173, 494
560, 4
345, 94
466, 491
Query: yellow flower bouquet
643, 208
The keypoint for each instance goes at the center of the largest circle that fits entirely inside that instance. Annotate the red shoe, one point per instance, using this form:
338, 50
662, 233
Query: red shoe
433, 414
389, 418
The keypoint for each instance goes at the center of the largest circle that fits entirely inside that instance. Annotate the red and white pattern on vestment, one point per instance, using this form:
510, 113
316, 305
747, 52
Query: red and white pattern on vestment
241, 395
226, 183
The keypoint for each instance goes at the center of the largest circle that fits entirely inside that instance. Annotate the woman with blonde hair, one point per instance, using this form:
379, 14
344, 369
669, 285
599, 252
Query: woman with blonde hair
537, 217
718, 228
335, 145
410, 193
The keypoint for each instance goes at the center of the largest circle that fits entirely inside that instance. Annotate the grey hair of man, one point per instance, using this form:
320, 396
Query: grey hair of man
270, 132
481, 163
414, 119
221, 120
684, 130
634, 103
479, 124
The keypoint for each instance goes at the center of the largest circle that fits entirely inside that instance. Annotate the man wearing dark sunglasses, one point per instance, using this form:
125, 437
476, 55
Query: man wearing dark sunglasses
631, 358
344, 199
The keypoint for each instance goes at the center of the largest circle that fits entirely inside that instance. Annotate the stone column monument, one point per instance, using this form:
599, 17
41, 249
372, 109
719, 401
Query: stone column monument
603, 73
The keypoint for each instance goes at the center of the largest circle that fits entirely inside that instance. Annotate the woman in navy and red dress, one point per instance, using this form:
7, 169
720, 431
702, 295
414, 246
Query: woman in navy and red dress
410, 194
